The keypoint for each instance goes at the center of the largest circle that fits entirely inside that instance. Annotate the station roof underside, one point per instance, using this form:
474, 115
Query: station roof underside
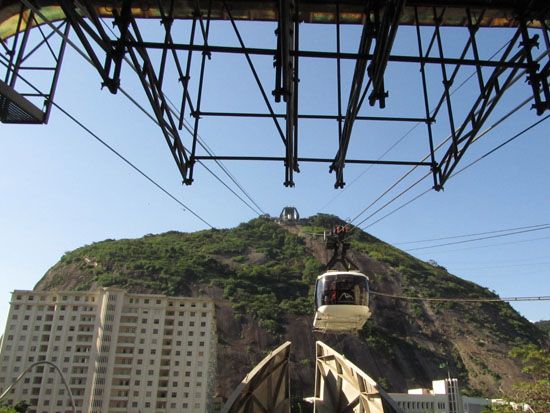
502, 13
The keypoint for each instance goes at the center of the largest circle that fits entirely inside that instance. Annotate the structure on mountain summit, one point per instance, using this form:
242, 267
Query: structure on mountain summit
289, 213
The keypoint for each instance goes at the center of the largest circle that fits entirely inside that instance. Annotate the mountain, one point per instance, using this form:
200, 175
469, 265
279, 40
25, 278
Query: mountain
261, 275
544, 325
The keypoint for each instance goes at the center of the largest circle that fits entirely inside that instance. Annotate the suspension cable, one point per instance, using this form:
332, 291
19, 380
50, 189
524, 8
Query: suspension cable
86, 58
407, 133
479, 239
511, 83
118, 154
461, 299
475, 234
90, 132
485, 132
172, 108
517, 135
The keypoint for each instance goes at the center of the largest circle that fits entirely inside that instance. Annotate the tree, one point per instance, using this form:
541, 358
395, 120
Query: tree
536, 392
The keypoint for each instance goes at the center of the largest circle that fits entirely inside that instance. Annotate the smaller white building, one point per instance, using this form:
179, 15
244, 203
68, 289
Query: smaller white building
444, 397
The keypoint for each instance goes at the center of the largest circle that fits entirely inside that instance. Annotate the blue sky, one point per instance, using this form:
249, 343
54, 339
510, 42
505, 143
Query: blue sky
61, 189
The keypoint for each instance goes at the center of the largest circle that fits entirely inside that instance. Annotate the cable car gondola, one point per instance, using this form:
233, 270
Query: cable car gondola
341, 301
341, 297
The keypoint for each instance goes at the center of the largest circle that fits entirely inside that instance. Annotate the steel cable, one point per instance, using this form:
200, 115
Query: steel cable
461, 299
127, 95
461, 170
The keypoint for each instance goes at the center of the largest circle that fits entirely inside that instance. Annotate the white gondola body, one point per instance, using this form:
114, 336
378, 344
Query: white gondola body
341, 302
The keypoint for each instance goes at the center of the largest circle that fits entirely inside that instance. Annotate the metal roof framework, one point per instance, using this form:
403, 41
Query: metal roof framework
379, 21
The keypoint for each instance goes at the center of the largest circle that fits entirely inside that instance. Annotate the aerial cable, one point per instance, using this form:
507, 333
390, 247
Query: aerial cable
395, 198
200, 140
475, 234
511, 83
86, 58
461, 299
498, 244
517, 135
407, 133
464, 168
172, 108
104, 143
398, 208
139, 106
479, 238
491, 267
368, 168
129, 163
479, 136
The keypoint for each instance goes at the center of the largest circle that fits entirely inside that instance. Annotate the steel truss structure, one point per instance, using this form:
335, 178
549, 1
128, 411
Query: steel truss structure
24, 61
380, 20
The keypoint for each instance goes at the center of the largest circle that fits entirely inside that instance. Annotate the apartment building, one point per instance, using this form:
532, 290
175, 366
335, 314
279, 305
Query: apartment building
120, 352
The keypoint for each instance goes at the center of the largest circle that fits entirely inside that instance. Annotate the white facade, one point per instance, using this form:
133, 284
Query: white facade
444, 397
120, 352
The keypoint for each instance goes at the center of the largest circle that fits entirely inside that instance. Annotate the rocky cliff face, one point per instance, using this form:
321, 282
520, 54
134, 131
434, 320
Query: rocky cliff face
405, 343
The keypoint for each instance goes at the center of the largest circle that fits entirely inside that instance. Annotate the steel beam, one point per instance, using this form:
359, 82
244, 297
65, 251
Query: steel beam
493, 90
206, 53
286, 86
434, 167
311, 116
385, 36
367, 35
107, 52
153, 89
305, 159
85, 32
251, 51
535, 79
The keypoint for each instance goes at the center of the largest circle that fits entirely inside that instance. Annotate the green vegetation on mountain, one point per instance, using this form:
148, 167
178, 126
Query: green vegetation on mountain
266, 272
544, 325
263, 269
535, 392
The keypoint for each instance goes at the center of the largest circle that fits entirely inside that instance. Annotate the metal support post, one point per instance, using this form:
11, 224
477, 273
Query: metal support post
446, 82
83, 30
436, 172
367, 36
186, 77
288, 87
189, 178
533, 77
482, 108
385, 36
152, 88
544, 73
